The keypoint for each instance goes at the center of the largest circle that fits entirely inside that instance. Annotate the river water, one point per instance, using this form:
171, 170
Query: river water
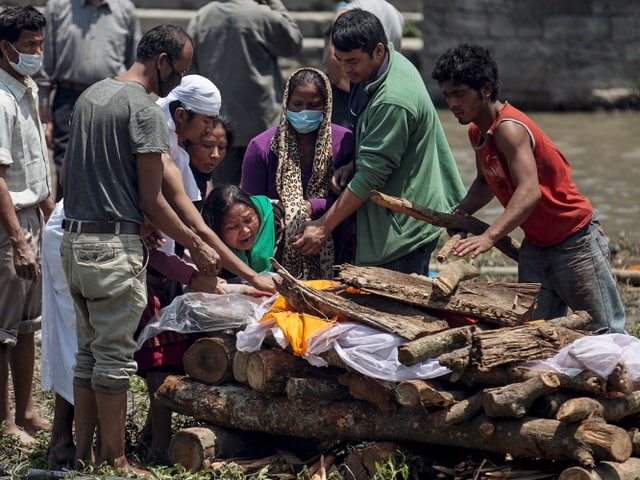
603, 149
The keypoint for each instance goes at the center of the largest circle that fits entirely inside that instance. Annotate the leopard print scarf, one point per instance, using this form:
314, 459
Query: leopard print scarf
289, 186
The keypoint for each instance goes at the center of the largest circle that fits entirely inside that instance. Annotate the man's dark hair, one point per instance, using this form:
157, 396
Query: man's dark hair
470, 65
169, 39
358, 28
220, 201
15, 19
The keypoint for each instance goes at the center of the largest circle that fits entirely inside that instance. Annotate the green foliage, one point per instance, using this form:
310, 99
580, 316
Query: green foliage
390, 470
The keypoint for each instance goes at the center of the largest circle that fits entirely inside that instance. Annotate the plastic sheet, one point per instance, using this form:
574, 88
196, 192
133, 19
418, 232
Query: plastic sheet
599, 354
206, 312
365, 349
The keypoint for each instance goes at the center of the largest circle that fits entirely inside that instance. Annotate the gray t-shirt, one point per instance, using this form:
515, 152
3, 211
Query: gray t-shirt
112, 122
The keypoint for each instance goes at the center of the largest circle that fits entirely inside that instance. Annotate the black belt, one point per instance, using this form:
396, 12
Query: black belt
76, 87
114, 228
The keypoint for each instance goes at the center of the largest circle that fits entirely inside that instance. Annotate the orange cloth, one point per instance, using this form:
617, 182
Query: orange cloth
297, 326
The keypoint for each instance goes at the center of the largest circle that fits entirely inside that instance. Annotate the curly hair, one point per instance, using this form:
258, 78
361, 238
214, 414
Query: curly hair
470, 65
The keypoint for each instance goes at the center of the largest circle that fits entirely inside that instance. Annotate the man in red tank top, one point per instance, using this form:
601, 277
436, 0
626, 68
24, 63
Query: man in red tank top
565, 249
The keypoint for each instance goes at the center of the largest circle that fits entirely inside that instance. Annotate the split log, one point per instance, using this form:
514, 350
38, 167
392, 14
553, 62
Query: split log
415, 393
325, 304
503, 304
210, 359
434, 345
579, 409
549, 405
507, 245
514, 400
447, 280
235, 406
316, 389
585, 382
491, 348
239, 366
445, 251
379, 393
196, 447
269, 370
628, 470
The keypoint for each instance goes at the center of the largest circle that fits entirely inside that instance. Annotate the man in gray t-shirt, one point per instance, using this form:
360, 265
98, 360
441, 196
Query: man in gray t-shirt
113, 177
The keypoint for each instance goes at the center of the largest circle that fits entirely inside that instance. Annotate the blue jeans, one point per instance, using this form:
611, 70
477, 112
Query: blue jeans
414, 262
575, 273
106, 275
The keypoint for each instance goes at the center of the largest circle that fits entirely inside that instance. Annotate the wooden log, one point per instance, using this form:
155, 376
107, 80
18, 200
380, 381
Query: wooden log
456, 360
627, 470
415, 393
549, 405
379, 393
465, 410
363, 462
579, 409
235, 406
491, 348
327, 305
316, 389
447, 280
618, 381
615, 409
584, 382
239, 366
196, 447
503, 304
507, 245
445, 251
268, 370
210, 359
514, 400
634, 435
434, 345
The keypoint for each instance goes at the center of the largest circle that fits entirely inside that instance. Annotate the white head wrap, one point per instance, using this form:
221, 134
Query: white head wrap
197, 94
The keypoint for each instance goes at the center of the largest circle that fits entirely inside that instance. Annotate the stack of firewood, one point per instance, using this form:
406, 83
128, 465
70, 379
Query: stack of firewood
488, 402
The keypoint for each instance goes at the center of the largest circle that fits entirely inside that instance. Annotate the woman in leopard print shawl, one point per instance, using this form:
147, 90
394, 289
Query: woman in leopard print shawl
290, 146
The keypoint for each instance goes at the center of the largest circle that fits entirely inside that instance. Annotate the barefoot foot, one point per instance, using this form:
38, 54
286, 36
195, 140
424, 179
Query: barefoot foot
34, 424
12, 429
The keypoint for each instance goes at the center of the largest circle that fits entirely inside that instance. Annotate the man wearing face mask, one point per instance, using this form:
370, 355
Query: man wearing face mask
117, 138
25, 202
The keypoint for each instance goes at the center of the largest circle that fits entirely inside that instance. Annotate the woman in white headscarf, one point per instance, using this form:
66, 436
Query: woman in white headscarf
293, 164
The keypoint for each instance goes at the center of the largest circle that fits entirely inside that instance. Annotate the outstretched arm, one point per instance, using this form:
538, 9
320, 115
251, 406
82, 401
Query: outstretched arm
173, 189
513, 141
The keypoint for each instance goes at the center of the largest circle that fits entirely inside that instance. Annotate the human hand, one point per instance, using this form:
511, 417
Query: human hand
25, 262
206, 259
151, 236
310, 237
205, 283
473, 245
341, 177
263, 283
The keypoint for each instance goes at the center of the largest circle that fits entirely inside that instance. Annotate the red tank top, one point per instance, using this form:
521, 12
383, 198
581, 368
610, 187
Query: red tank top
562, 210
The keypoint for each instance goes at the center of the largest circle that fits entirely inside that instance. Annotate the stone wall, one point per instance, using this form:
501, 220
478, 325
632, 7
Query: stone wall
552, 54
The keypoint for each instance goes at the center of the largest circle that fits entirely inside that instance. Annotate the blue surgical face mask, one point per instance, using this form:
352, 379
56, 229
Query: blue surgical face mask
305, 121
27, 64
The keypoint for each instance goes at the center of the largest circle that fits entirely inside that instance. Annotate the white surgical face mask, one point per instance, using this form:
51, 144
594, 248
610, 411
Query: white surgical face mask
27, 64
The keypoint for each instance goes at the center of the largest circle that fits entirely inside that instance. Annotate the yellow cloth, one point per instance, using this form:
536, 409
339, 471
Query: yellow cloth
296, 326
